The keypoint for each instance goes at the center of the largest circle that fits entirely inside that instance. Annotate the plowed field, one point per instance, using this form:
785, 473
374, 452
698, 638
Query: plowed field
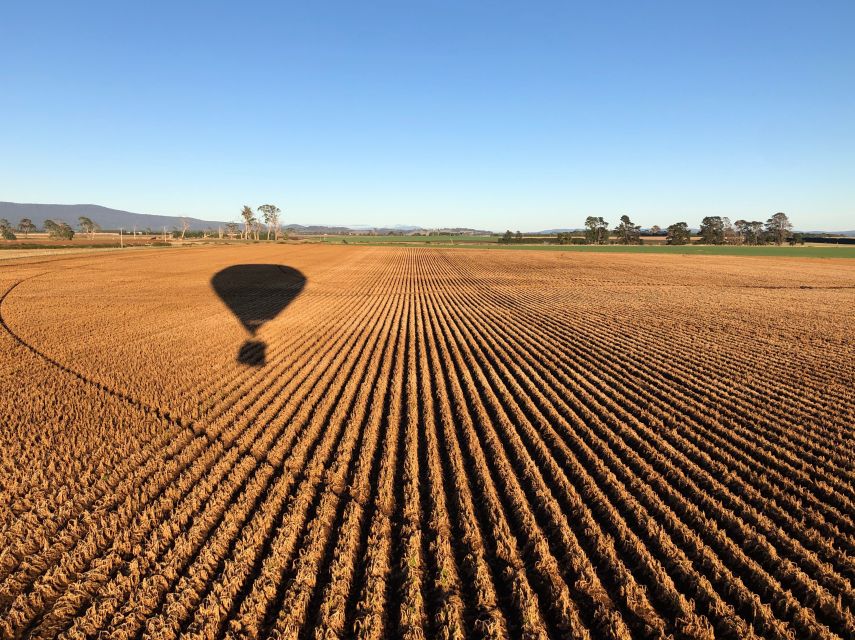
318, 442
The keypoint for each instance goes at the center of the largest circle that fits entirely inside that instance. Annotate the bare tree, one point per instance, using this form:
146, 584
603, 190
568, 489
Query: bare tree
185, 225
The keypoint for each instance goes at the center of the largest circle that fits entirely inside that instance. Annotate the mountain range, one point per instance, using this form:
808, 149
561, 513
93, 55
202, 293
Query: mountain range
104, 217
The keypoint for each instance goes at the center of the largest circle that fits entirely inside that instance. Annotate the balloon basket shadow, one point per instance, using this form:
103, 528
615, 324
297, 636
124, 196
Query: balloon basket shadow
252, 353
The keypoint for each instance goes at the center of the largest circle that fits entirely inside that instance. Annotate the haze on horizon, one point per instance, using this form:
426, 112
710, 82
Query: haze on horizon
485, 115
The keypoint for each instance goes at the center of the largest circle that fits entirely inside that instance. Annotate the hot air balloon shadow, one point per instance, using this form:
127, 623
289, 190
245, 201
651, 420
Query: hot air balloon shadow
256, 293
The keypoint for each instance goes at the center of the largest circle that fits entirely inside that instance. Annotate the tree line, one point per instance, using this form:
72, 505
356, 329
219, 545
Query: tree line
55, 228
713, 230
719, 230
253, 226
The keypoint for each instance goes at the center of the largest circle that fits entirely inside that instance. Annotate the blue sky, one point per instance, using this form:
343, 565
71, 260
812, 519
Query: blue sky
483, 114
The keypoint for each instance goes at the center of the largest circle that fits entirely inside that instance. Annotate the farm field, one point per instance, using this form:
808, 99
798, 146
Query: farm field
310, 441
650, 246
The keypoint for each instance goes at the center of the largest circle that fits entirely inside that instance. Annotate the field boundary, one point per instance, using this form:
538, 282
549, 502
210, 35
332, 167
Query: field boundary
825, 251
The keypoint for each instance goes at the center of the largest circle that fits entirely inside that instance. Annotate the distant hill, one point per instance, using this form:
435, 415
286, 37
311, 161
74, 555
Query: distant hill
830, 233
407, 230
317, 229
104, 217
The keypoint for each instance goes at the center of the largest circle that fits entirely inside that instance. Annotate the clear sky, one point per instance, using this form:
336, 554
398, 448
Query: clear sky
494, 115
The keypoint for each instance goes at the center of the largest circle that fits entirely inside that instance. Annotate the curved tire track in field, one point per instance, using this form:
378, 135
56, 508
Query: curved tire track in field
124, 397
126, 474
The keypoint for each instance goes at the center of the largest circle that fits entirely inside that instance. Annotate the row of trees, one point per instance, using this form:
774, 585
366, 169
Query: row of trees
56, 229
719, 230
511, 238
713, 230
253, 226
61, 230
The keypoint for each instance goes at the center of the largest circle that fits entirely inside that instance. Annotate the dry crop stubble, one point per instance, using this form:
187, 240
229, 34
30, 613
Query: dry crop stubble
436, 443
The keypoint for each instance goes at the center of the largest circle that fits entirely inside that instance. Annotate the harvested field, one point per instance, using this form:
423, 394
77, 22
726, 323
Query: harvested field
326, 441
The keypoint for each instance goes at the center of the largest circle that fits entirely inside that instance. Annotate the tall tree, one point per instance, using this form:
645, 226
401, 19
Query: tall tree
248, 217
87, 226
59, 230
749, 232
778, 227
730, 236
270, 215
6, 232
742, 230
713, 230
627, 231
679, 233
26, 226
596, 230
185, 225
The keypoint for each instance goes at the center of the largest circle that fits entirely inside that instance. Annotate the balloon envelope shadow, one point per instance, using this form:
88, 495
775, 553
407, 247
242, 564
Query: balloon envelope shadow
256, 293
